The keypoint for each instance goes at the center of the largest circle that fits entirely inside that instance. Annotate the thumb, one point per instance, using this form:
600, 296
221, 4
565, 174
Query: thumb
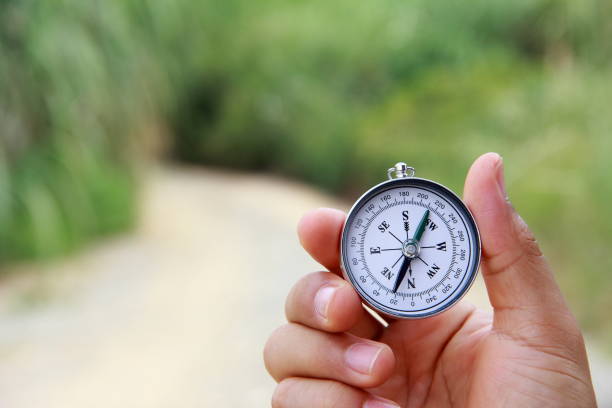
520, 283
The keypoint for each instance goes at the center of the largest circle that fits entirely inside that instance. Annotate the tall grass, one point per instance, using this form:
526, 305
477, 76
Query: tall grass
72, 96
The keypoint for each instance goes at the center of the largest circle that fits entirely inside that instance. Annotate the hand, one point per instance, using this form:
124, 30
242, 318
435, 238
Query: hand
528, 353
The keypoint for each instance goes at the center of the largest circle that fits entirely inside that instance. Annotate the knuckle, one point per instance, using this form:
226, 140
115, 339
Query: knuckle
271, 348
315, 278
503, 261
526, 254
526, 238
333, 396
267, 355
525, 251
301, 296
282, 392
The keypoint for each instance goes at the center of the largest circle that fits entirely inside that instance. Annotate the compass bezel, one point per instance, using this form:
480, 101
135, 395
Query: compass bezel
460, 207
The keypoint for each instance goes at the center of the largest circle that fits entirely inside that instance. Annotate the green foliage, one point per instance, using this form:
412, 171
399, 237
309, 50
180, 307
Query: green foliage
70, 99
329, 92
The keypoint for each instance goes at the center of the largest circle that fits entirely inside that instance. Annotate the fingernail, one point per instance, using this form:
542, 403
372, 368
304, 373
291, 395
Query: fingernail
378, 402
501, 182
362, 356
323, 299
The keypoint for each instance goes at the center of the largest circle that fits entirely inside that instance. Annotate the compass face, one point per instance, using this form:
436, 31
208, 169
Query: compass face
410, 247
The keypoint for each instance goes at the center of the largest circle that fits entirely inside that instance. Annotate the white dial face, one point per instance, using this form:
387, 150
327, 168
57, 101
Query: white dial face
411, 248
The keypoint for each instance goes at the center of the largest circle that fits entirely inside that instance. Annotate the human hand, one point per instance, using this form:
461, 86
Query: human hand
528, 353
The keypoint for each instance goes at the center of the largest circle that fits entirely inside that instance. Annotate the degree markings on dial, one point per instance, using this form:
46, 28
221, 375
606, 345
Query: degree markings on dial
419, 203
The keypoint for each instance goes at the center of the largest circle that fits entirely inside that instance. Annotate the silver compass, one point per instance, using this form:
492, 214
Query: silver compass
410, 246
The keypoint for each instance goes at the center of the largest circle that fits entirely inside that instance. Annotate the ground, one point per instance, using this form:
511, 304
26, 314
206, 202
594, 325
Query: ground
174, 314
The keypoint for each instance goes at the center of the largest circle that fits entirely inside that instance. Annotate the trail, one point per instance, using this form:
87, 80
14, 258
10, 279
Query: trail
174, 314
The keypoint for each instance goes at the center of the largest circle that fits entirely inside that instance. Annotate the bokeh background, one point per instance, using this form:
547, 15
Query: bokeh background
139, 139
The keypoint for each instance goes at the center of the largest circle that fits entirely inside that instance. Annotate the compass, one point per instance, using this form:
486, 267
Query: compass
410, 246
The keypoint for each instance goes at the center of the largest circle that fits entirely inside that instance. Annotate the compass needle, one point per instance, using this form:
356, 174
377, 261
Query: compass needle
429, 213
398, 259
421, 228
401, 274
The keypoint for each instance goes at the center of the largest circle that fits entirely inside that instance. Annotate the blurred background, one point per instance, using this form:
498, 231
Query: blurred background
155, 157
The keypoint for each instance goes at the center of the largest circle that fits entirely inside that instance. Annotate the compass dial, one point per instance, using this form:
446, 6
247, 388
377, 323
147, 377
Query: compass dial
410, 247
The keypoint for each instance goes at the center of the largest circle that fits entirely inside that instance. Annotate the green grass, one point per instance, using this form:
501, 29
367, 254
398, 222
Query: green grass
69, 105
331, 93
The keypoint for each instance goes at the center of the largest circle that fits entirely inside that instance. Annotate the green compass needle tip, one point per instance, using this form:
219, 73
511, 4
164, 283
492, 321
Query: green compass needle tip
421, 228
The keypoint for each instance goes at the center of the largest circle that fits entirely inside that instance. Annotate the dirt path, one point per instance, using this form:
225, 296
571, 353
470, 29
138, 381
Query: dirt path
173, 315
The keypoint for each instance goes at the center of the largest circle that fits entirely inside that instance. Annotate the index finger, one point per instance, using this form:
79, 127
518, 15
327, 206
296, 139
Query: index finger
319, 232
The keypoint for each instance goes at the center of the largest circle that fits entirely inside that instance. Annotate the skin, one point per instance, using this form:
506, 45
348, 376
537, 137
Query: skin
528, 353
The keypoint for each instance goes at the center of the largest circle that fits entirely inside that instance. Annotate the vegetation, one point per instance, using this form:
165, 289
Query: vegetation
332, 93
